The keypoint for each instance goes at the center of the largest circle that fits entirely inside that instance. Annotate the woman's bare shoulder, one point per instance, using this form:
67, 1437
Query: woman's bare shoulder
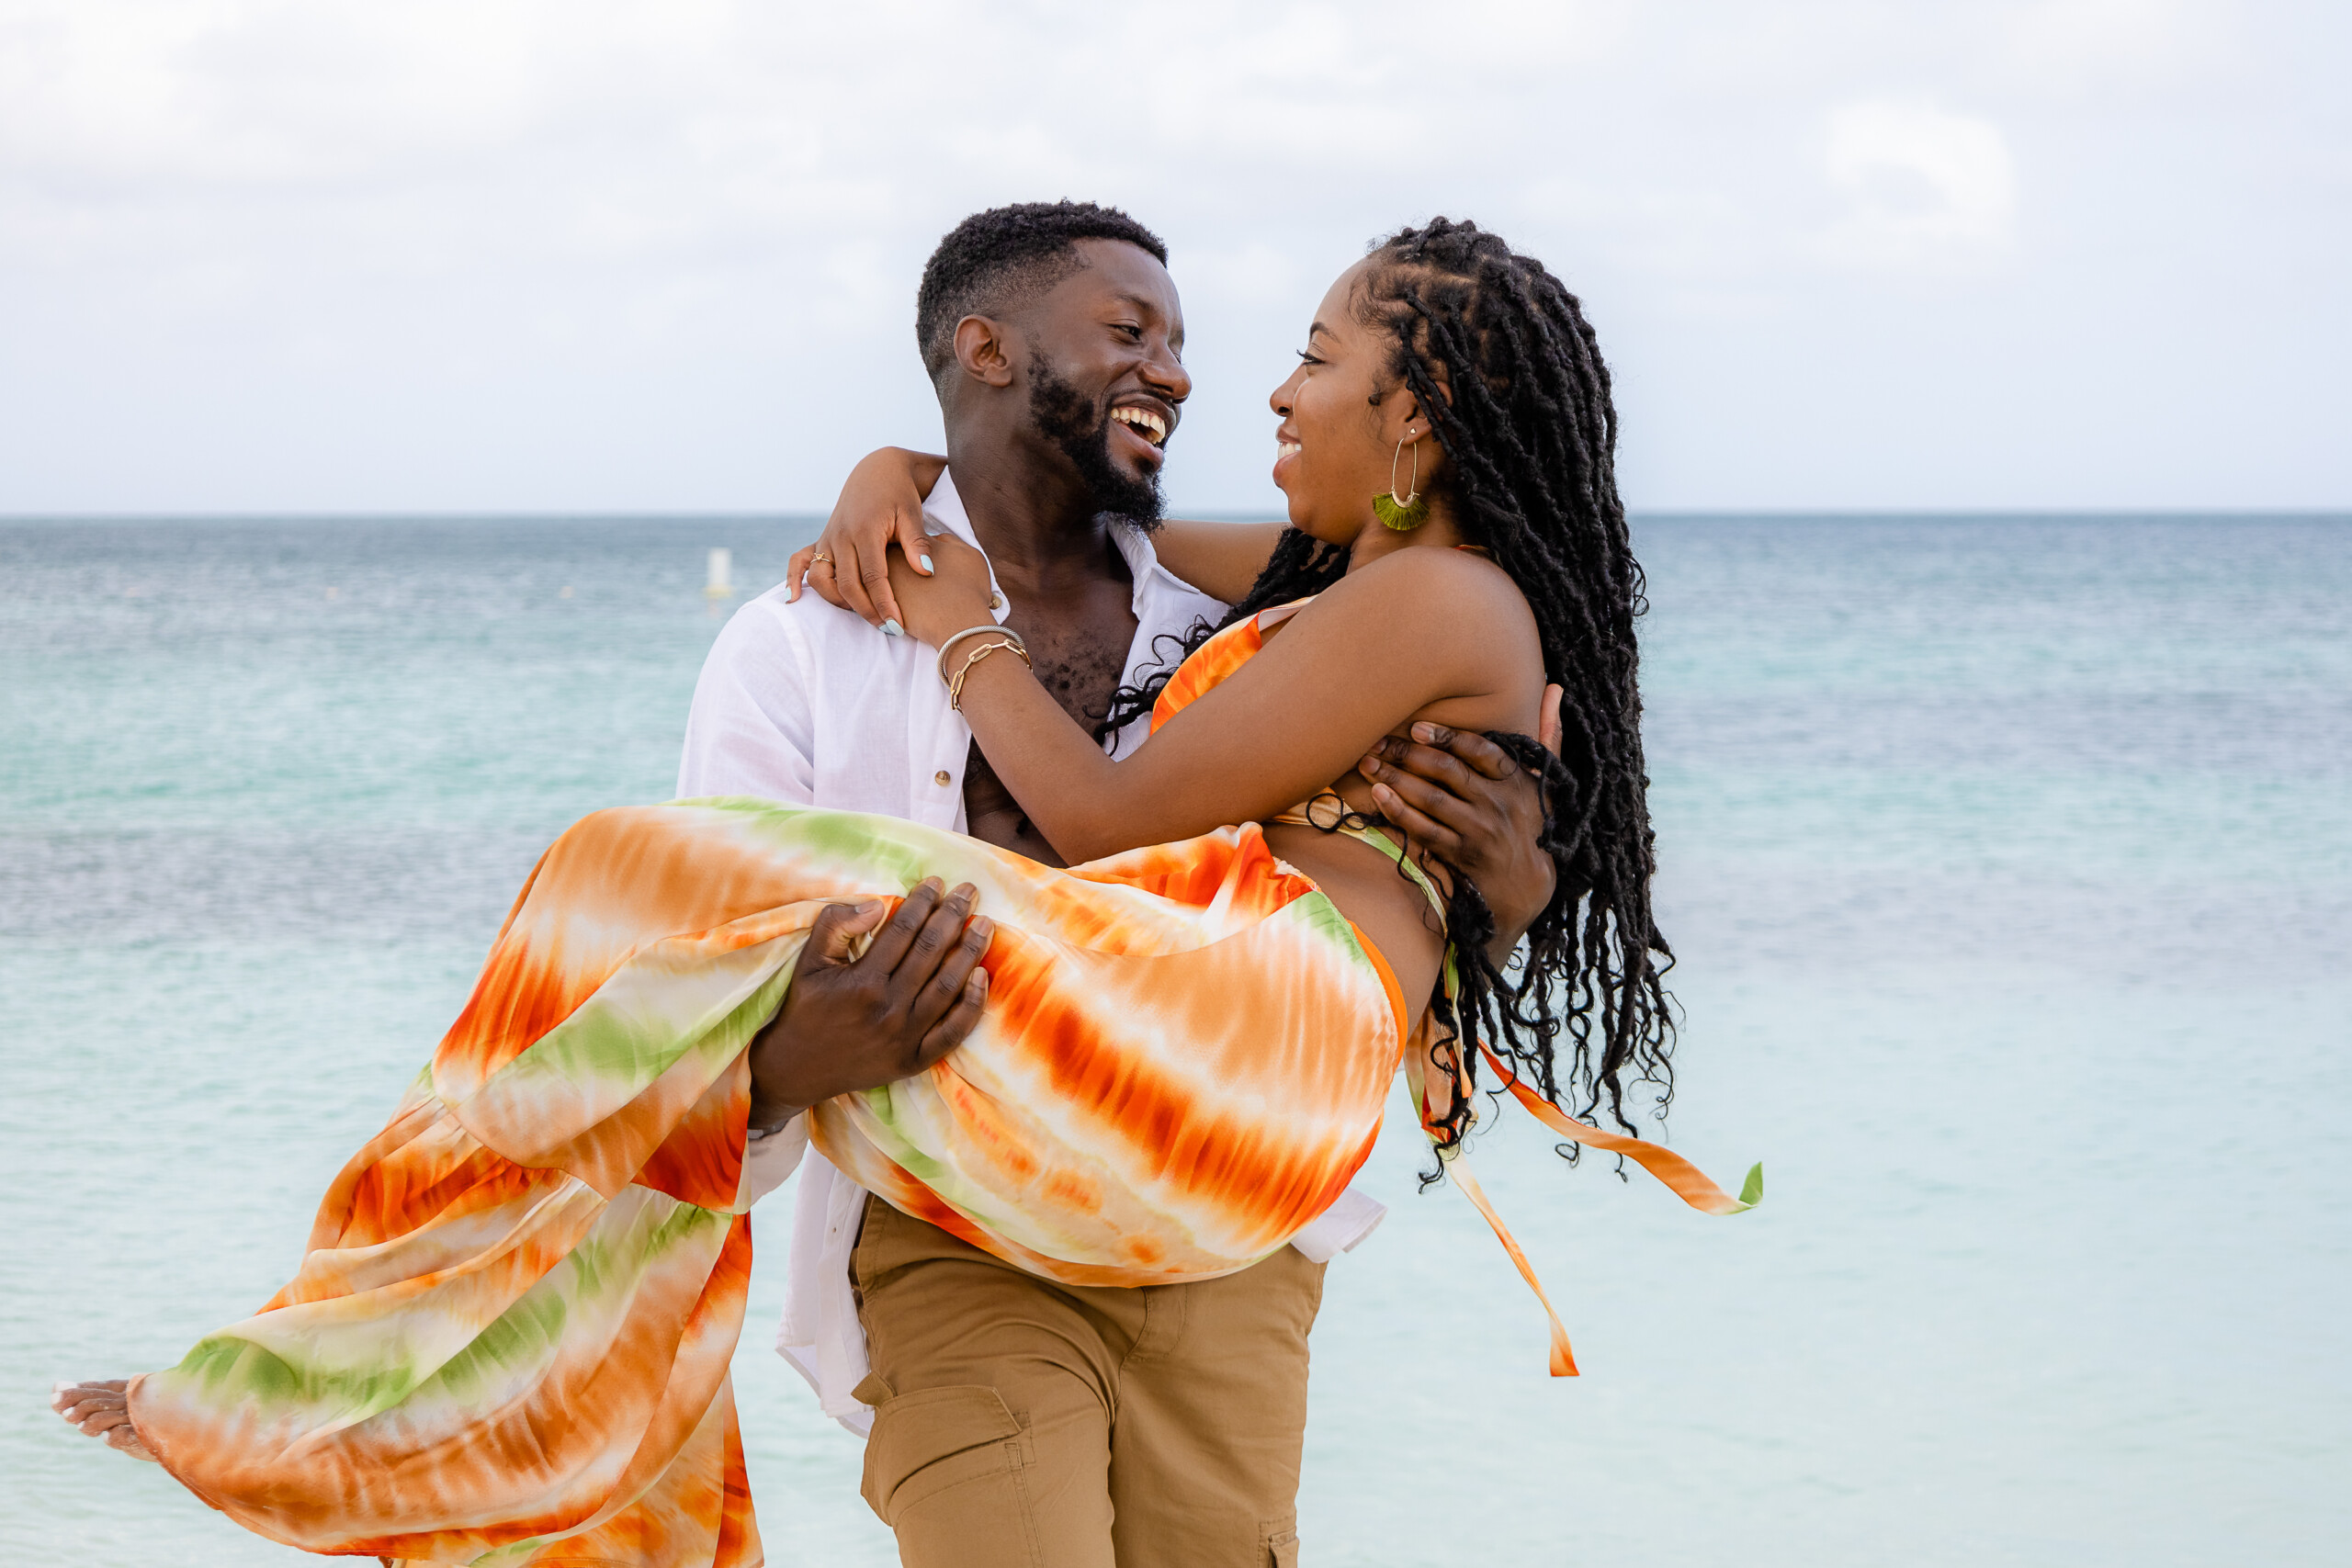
1440, 585
1466, 621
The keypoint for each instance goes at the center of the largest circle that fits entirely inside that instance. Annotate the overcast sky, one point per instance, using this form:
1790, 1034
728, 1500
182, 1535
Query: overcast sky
555, 254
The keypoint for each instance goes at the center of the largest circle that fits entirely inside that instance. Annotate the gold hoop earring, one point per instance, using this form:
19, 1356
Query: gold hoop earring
1406, 513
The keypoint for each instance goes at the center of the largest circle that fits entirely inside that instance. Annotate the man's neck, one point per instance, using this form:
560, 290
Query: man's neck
1034, 517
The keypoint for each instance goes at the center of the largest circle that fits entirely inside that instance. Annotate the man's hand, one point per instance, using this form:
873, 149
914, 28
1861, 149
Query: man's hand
848, 1024
1460, 798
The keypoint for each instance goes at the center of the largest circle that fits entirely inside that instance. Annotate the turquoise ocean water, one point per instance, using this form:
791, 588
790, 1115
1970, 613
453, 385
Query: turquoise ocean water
2008, 860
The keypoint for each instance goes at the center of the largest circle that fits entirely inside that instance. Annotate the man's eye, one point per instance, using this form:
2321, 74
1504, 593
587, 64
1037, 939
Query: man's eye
1133, 332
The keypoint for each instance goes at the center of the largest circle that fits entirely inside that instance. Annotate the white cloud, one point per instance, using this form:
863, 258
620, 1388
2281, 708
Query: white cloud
2089, 45
1927, 188
289, 252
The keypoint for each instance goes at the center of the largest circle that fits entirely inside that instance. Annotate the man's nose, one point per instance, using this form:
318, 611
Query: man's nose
1166, 374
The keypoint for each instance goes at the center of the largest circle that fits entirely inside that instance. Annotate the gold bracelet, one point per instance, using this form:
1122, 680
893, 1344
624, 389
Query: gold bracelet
976, 631
979, 651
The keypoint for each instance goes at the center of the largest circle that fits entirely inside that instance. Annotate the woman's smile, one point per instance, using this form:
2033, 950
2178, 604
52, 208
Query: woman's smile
1286, 452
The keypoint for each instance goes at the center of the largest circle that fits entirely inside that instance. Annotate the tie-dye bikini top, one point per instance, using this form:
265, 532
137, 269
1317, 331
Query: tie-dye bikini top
1209, 666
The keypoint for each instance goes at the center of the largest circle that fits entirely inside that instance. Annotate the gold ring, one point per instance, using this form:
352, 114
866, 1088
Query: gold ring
820, 556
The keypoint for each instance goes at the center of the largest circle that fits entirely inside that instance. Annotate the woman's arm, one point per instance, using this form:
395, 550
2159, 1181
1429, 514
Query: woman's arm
881, 505
1422, 629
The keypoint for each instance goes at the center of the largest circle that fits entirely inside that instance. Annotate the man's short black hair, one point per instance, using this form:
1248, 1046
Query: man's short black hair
994, 257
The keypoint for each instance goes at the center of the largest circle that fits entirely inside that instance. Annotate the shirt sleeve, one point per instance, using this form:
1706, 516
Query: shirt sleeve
751, 731
768, 1161
752, 728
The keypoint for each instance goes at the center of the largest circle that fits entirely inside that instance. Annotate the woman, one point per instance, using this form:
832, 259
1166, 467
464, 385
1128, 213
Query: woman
508, 1341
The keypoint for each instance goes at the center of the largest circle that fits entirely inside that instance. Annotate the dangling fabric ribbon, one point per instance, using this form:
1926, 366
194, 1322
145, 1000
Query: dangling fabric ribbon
1686, 1180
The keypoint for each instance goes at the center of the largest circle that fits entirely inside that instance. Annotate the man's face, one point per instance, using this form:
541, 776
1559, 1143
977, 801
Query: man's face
1106, 377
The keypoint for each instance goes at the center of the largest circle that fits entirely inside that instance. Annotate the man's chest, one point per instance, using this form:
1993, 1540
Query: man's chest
1081, 657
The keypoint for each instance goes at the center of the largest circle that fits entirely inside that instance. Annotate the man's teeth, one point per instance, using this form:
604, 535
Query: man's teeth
1150, 423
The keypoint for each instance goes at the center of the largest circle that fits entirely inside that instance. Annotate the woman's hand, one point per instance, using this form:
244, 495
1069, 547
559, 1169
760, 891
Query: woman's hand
955, 595
880, 505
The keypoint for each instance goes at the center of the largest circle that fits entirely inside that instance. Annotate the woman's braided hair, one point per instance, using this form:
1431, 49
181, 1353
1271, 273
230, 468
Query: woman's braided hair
1499, 356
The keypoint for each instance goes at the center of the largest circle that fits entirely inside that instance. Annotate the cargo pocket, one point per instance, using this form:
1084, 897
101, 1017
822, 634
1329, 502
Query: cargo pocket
936, 1441
1282, 1542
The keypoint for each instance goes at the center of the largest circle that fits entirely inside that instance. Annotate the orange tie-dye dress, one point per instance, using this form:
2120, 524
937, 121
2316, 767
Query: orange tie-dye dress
508, 1341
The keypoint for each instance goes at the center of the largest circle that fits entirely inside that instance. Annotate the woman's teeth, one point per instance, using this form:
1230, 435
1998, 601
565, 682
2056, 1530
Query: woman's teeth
1151, 424
1285, 449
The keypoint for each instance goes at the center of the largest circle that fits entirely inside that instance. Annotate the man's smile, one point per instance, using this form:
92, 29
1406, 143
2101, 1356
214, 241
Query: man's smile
1146, 423
1149, 420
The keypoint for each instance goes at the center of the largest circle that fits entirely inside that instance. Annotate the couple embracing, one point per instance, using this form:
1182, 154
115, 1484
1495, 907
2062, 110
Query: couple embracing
1058, 888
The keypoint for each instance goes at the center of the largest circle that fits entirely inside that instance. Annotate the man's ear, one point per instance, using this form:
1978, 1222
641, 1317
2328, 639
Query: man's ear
984, 348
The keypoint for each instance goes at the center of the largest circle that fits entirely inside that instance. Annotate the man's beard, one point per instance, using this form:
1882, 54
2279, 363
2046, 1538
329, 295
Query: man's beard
1071, 420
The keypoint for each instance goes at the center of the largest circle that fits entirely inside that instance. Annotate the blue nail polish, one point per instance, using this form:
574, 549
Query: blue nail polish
892, 628
926, 563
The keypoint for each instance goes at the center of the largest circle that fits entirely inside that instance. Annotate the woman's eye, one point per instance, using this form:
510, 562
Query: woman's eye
1306, 359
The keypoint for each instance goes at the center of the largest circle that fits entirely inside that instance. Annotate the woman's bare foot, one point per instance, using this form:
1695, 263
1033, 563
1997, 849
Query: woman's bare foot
101, 1410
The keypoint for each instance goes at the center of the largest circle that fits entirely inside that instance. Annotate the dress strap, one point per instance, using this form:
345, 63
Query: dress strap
1378, 840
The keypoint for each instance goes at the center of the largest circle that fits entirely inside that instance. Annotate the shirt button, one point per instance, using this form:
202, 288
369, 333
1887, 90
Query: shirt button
996, 601
941, 779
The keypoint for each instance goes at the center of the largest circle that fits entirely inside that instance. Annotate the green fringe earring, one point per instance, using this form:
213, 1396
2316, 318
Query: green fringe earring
1413, 510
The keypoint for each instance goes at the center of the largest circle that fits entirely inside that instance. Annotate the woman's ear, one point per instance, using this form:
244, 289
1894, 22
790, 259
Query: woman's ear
982, 350
1416, 425
1416, 417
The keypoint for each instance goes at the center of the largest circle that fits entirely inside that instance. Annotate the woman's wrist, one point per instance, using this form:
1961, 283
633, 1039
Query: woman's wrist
996, 640
921, 469
896, 473
948, 644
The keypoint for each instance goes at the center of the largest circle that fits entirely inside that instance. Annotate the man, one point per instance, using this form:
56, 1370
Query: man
1012, 1420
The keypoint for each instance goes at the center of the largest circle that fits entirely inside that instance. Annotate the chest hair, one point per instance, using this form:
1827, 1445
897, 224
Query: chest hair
1080, 665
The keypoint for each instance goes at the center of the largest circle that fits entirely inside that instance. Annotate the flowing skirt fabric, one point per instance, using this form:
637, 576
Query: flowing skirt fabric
509, 1337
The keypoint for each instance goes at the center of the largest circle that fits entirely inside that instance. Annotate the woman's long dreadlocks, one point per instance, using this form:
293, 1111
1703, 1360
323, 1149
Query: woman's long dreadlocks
1500, 357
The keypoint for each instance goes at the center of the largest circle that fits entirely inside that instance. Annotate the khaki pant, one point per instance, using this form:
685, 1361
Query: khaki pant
1022, 1422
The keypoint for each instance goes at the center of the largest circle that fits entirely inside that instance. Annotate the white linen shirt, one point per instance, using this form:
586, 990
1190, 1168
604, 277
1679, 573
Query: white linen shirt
803, 703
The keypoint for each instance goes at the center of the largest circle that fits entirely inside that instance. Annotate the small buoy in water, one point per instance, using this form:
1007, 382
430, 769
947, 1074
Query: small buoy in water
564, 592
722, 563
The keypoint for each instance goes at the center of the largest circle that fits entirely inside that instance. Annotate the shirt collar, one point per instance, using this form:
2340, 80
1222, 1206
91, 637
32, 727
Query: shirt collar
945, 507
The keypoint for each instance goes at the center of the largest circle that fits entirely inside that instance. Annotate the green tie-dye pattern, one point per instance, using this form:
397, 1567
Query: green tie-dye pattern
401, 1376
612, 1260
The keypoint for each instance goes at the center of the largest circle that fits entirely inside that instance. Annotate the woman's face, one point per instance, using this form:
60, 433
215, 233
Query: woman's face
1334, 446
